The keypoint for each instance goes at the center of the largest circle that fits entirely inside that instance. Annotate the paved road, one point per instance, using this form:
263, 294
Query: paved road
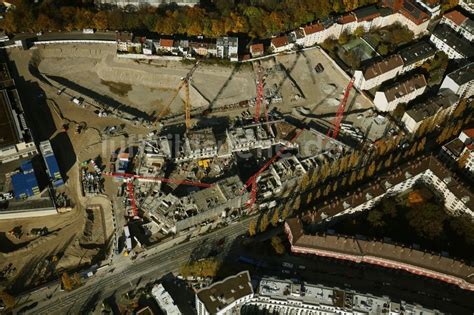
150, 267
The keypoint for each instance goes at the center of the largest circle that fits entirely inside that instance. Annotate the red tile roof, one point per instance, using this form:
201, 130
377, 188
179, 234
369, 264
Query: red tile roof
280, 41
313, 28
469, 133
457, 17
166, 42
348, 18
255, 48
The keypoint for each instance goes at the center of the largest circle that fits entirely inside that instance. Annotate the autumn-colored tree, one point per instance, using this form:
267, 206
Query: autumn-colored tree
286, 212
297, 202
252, 228
309, 198
359, 32
361, 174
334, 187
278, 245
463, 158
388, 162
275, 217
318, 193
371, 169
7, 299
327, 190
353, 177
304, 182
66, 281
421, 145
264, 222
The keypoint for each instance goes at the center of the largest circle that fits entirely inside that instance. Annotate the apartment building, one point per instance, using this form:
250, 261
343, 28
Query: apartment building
460, 151
402, 92
459, 23
441, 105
451, 42
467, 5
460, 81
416, 55
226, 296
227, 48
433, 7
314, 34
280, 44
378, 72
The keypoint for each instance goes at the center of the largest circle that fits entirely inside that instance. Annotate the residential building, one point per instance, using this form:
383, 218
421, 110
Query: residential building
402, 92
164, 300
226, 296
257, 50
459, 23
460, 151
288, 297
441, 105
198, 144
452, 43
416, 55
299, 37
467, 5
383, 254
203, 48
460, 81
148, 47
124, 41
138, 3
348, 22
366, 17
166, 44
378, 72
227, 48
313, 34
433, 7
280, 44
410, 14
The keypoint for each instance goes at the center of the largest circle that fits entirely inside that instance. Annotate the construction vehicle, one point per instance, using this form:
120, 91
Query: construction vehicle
341, 109
130, 186
185, 81
252, 181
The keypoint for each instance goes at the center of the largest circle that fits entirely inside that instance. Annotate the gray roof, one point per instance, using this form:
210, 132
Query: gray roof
454, 40
417, 52
421, 111
463, 75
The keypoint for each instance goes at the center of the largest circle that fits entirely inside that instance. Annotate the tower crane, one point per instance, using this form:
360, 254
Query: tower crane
340, 110
185, 81
252, 181
130, 186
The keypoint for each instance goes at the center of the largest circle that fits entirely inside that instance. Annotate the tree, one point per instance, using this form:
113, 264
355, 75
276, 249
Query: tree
421, 145
297, 202
375, 218
264, 222
252, 228
371, 169
66, 281
278, 245
309, 198
285, 212
344, 38
383, 49
304, 182
275, 217
7, 299
463, 158
359, 32
427, 220
388, 162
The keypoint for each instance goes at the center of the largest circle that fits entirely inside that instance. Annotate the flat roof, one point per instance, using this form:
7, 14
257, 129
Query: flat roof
223, 293
8, 132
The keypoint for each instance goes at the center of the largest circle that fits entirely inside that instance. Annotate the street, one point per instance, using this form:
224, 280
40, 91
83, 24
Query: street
152, 267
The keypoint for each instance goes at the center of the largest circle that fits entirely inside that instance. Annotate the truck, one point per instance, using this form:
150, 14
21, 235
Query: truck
77, 101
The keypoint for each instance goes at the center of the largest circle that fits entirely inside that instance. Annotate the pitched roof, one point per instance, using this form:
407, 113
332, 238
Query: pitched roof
367, 13
223, 293
405, 87
166, 42
313, 28
346, 19
256, 48
463, 75
383, 66
280, 41
417, 52
411, 11
457, 17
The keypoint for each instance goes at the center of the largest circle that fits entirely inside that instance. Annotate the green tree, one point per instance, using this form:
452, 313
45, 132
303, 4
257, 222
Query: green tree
427, 220
344, 38
375, 218
359, 32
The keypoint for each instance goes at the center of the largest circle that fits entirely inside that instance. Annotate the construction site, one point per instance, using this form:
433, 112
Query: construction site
151, 150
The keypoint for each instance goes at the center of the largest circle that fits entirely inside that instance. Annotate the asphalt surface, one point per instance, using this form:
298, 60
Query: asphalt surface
126, 276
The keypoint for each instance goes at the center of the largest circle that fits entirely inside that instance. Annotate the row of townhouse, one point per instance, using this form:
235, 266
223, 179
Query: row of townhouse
460, 151
406, 12
454, 35
222, 47
388, 68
